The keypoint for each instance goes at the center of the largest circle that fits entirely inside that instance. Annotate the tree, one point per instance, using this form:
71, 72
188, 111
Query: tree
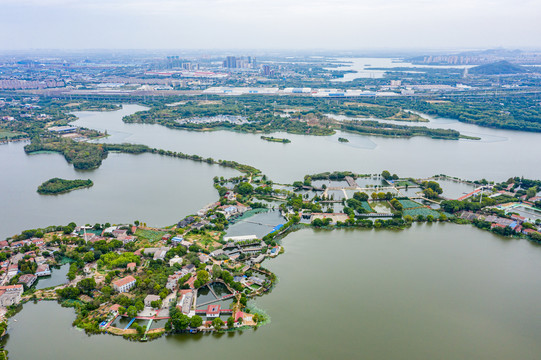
132, 311
217, 323
230, 322
216, 271
86, 285
430, 194
245, 188
140, 330
196, 321
203, 276
434, 186
88, 257
386, 175
361, 196
180, 321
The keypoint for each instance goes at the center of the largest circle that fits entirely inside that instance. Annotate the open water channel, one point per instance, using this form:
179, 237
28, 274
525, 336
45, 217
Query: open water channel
431, 291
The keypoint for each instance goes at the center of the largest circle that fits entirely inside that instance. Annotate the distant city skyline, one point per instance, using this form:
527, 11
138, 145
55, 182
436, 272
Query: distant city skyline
280, 24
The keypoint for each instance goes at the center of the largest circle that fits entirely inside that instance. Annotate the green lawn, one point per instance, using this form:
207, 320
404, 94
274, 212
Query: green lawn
151, 235
365, 205
408, 204
6, 135
421, 211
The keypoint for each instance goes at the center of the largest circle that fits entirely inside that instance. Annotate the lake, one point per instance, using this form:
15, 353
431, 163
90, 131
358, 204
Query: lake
371, 67
493, 157
429, 292
155, 189
432, 291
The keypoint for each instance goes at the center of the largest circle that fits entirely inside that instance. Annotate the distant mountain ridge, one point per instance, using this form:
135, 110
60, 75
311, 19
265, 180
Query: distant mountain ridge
498, 68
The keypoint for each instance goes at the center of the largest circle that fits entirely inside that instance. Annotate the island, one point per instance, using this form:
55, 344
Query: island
143, 282
59, 186
344, 140
273, 139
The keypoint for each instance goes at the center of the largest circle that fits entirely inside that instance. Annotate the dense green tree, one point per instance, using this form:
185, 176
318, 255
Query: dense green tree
217, 323
196, 321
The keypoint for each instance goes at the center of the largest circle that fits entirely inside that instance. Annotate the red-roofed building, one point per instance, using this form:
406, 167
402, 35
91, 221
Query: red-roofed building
520, 219
191, 281
213, 311
124, 284
238, 315
17, 244
38, 242
128, 238
43, 270
114, 308
528, 231
27, 279
4, 244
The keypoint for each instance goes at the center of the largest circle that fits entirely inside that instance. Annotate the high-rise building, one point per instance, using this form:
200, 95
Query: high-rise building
230, 62
265, 70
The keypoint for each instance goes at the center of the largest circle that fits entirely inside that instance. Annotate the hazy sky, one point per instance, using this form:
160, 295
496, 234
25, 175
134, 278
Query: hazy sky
280, 24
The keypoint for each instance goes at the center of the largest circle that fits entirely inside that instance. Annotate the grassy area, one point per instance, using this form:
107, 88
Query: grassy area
8, 135
409, 204
366, 206
421, 211
205, 241
151, 235
404, 183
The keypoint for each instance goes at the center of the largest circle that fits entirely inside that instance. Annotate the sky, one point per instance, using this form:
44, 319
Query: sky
273, 24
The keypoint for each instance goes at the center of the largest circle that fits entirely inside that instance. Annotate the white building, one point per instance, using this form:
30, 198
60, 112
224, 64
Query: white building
10, 295
124, 284
43, 270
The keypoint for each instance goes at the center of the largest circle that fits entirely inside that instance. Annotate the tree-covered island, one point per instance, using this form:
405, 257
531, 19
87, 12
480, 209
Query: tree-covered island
275, 139
58, 186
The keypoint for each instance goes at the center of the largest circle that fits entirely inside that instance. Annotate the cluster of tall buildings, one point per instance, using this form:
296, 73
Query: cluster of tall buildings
175, 62
243, 62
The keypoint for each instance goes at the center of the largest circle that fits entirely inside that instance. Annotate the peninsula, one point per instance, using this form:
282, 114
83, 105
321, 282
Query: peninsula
193, 277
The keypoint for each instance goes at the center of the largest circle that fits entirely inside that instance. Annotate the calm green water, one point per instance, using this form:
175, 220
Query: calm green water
155, 189
58, 277
493, 157
431, 292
